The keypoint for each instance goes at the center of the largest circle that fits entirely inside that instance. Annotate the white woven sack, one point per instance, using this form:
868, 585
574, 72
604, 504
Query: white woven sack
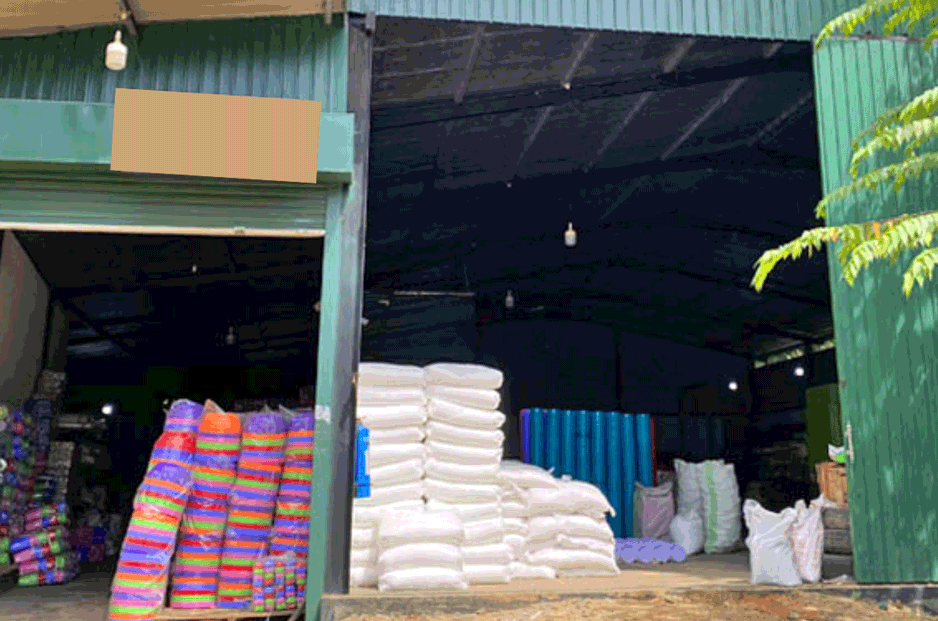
470, 397
422, 578
520, 571
367, 396
390, 494
363, 577
418, 555
482, 474
464, 436
394, 453
396, 435
455, 414
489, 554
484, 532
391, 416
487, 574
721, 504
527, 476
364, 537
447, 451
387, 374
585, 526
467, 512
397, 473
462, 492
403, 527
370, 516
464, 375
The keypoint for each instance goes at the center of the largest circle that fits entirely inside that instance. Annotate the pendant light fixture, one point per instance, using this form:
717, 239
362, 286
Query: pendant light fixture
569, 236
115, 56
509, 300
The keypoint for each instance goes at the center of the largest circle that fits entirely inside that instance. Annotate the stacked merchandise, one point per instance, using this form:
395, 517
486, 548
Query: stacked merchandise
291, 524
274, 584
139, 586
708, 516
199, 549
518, 479
464, 451
392, 406
251, 506
420, 550
568, 530
43, 552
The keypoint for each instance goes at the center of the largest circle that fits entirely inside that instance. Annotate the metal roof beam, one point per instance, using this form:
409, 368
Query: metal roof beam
395, 115
203, 279
770, 50
463, 85
580, 50
779, 121
668, 65
94, 325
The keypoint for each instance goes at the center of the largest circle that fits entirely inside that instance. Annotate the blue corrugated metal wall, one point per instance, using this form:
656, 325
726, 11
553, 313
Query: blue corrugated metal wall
296, 58
761, 19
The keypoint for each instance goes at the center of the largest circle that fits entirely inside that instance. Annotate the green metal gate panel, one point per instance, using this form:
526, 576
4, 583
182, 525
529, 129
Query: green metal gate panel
796, 20
887, 345
74, 197
289, 57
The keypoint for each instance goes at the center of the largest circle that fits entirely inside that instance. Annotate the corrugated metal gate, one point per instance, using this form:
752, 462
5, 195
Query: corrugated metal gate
887, 345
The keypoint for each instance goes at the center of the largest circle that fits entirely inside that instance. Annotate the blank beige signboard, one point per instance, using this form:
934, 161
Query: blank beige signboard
227, 136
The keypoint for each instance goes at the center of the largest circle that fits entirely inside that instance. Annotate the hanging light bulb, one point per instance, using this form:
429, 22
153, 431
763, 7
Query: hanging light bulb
115, 56
231, 338
569, 236
733, 386
509, 300
799, 371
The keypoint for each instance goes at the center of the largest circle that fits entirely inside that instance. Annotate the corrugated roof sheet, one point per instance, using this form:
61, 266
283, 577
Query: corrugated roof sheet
762, 19
298, 58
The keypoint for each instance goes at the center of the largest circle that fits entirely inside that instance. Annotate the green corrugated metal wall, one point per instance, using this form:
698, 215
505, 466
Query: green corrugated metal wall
762, 19
887, 345
294, 58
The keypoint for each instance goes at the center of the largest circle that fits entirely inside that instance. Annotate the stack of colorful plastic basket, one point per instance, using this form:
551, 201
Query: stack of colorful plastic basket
252, 505
139, 587
291, 527
199, 549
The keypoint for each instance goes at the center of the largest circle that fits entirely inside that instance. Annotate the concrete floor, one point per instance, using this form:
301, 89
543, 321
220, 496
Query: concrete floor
83, 599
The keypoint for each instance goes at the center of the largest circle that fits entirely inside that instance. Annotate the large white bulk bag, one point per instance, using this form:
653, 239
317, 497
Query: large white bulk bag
771, 555
470, 397
448, 491
462, 473
447, 451
387, 374
403, 527
687, 531
423, 578
383, 455
418, 555
464, 375
367, 396
464, 436
722, 519
807, 538
455, 414
390, 416
653, 510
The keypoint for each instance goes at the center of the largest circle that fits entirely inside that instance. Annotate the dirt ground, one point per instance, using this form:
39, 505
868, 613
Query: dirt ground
695, 607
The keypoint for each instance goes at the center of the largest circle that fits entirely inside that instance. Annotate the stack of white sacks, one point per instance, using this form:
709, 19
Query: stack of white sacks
392, 405
444, 510
464, 450
567, 530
